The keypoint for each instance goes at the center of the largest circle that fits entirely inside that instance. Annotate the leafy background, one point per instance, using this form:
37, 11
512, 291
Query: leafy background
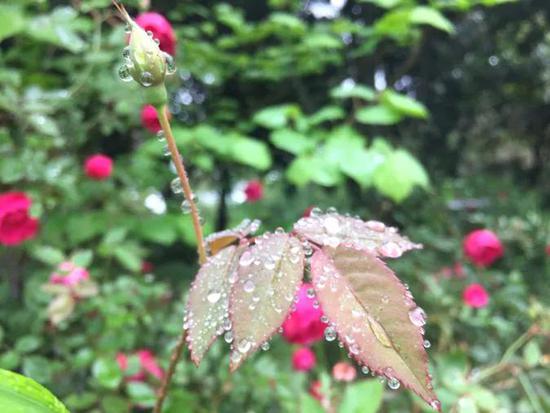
429, 115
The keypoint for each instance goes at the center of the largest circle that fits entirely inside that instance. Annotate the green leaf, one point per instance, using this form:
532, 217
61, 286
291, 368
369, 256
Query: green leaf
326, 114
128, 256
37, 368
19, 394
484, 399
269, 273
207, 306
291, 141
361, 164
371, 236
399, 174
532, 354
432, 17
362, 397
107, 372
12, 20
27, 344
372, 313
301, 170
274, 117
82, 258
57, 28
309, 405
141, 393
250, 152
378, 115
48, 255
404, 104
346, 91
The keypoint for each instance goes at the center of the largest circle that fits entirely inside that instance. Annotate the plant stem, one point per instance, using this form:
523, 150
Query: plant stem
188, 194
174, 358
182, 174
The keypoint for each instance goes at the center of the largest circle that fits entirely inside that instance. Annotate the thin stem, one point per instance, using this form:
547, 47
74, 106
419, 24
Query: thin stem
174, 358
182, 174
188, 194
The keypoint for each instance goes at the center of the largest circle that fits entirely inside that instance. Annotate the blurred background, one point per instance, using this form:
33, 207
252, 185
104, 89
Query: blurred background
430, 115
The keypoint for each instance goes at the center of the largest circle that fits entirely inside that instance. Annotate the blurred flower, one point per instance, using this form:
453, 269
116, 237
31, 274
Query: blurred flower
548, 250
254, 191
149, 119
303, 359
161, 29
147, 267
16, 225
98, 167
148, 365
315, 390
459, 270
69, 274
482, 247
475, 296
304, 325
343, 371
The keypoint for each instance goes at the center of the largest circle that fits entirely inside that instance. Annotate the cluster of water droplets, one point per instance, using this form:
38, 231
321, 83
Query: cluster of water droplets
146, 78
333, 229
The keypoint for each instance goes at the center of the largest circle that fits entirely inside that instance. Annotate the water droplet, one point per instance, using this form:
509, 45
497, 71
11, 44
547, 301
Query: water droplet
330, 334
157, 41
310, 293
213, 296
269, 265
417, 316
149, 33
376, 226
332, 225
324, 319
365, 370
176, 187
427, 344
315, 212
393, 383
332, 210
279, 231
126, 52
170, 64
160, 136
228, 337
436, 405
124, 73
390, 250
385, 299
244, 345
166, 151
127, 28
249, 286
146, 79
185, 207
315, 304
265, 346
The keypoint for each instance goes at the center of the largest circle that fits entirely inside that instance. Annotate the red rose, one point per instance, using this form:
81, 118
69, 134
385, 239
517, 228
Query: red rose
16, 225
254, 191
476, 296
483, 247
303, 359
161, 29
315, 390
149, 119
98, 167
304, 325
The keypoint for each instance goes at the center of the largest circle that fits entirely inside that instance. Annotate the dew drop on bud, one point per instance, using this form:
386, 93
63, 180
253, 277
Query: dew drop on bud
330, 334
170, 64
146, 79
127, 28
417, 316
124, 73
126, 52
176, 187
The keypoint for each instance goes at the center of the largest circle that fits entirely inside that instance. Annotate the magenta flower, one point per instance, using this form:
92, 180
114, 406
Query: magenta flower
98, 167
161, 28
303, 359
476, 296
482, 247
304, 325
16, 225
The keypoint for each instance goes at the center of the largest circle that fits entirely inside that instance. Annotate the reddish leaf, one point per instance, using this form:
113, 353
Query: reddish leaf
207, 308
270, 273
220, 240
374, 315
372, 236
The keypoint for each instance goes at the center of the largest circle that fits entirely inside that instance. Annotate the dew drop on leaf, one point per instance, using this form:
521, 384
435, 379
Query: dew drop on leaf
427, 344
249, 286
330, 334
228, 337
365, 370
417, 316
213, 296
265, 346
244, 345
246, 259
393, 383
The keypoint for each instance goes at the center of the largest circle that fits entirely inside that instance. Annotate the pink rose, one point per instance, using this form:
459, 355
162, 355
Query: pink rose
161, 29
482, 247
148, 365
254, 191
69, 274
98, 167
149, 119
475, 296
303, 359
16, 225
304, 325
343, 371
